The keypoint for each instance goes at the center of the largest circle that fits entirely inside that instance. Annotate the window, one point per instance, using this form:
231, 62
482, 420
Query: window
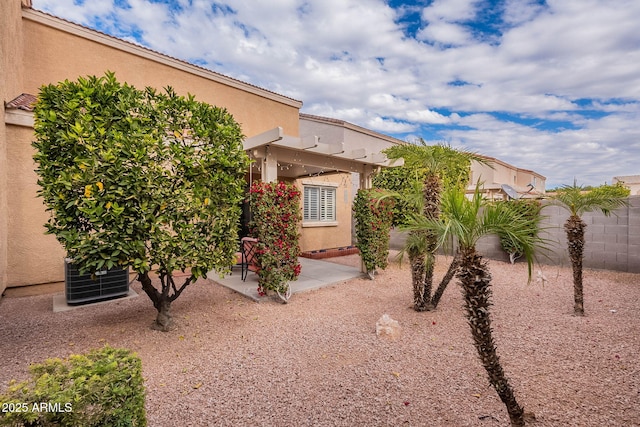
319, 204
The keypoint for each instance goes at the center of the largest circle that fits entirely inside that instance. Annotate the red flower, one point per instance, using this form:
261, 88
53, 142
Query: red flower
275, 223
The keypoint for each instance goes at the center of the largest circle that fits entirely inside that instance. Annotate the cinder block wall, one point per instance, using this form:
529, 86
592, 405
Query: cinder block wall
611, 243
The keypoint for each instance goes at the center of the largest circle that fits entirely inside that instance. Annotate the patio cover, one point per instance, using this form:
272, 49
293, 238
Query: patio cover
279, 155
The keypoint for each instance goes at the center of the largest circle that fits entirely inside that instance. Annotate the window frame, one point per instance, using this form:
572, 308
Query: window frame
324, 199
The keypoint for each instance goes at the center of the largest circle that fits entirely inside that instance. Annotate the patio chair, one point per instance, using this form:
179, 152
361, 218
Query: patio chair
248, 248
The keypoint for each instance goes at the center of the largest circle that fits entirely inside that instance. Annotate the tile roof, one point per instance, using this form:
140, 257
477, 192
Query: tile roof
22, 102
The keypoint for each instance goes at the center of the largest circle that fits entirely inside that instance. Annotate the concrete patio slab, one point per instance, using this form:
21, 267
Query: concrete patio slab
60, 301
314, 274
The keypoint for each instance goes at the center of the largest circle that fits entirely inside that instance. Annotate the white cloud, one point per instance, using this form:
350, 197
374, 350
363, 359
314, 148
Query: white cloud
352, 60
389, 126
441, 20
427, 116
444, 33
517, 12
450, 10
80, 13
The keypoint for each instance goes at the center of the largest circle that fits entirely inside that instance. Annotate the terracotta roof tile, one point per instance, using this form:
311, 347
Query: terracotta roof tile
22, 102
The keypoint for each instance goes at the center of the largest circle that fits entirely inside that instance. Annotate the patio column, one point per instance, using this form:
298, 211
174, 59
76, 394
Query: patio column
365, 183
365, 177
269, 167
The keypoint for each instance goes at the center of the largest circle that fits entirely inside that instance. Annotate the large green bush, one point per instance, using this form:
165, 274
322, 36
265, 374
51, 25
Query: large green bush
140, 178
102, 388
401, 181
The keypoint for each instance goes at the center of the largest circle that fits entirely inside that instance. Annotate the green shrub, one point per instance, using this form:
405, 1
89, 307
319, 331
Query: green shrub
400, 180
102, 388
373, 218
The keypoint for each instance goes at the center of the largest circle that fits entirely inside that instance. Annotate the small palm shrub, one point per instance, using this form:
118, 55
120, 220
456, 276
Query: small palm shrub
528, 208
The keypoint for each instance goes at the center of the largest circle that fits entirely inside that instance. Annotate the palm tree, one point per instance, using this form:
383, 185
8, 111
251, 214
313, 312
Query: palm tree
467, 221
577, 201
440, 166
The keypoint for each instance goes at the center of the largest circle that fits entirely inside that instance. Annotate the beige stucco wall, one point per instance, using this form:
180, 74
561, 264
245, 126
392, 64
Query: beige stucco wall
33, 257
632, 182
526, 177
49, 55
482, 172
52, 55
354, 137
333, 236
496, 173
10, 86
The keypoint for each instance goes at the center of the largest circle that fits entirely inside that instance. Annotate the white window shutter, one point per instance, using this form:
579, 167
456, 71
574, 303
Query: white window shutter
319, 204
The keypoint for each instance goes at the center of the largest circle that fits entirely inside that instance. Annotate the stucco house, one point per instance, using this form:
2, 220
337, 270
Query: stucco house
632, 182
320, 155
500, 180
327, 159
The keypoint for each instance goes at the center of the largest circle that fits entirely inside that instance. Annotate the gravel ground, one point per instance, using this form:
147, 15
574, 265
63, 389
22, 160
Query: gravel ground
318, 362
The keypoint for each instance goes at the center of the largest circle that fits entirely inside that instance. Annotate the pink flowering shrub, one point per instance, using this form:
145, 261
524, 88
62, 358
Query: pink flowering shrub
275, 210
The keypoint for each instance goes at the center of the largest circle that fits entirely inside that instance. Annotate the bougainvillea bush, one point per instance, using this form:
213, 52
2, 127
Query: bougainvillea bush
275, 209
373, 216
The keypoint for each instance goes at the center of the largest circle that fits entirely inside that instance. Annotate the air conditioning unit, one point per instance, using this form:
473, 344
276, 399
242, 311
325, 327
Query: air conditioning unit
86, 288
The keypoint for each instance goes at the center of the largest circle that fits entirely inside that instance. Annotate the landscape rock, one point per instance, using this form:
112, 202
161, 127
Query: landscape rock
386, 327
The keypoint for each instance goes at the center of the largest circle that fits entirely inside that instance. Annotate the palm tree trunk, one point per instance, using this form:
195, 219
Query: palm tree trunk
417, 278
430, 263
476, 284
574, 228
453, 267
431, 190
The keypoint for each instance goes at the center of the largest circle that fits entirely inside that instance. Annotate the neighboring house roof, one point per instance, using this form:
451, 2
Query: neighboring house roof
100, 37
628, 179
23, 102
351, 126
496, 186
510, 166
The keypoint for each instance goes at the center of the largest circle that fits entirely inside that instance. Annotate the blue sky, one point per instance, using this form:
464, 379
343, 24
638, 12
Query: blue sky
552, 86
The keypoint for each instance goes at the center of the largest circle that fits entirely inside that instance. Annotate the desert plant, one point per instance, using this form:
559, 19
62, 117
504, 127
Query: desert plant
140, 178
577, 201
528, 207
102, 388
432, 168
467, 221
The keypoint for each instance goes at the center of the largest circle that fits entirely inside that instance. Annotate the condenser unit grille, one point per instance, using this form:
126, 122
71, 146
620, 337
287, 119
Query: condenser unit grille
85, 288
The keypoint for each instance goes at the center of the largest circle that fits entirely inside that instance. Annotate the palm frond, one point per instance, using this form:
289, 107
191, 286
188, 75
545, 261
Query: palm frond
467, 220
412, 197
577, 201
433, 157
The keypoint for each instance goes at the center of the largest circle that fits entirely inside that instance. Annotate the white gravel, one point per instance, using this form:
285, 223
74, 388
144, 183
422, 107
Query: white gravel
318, 362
